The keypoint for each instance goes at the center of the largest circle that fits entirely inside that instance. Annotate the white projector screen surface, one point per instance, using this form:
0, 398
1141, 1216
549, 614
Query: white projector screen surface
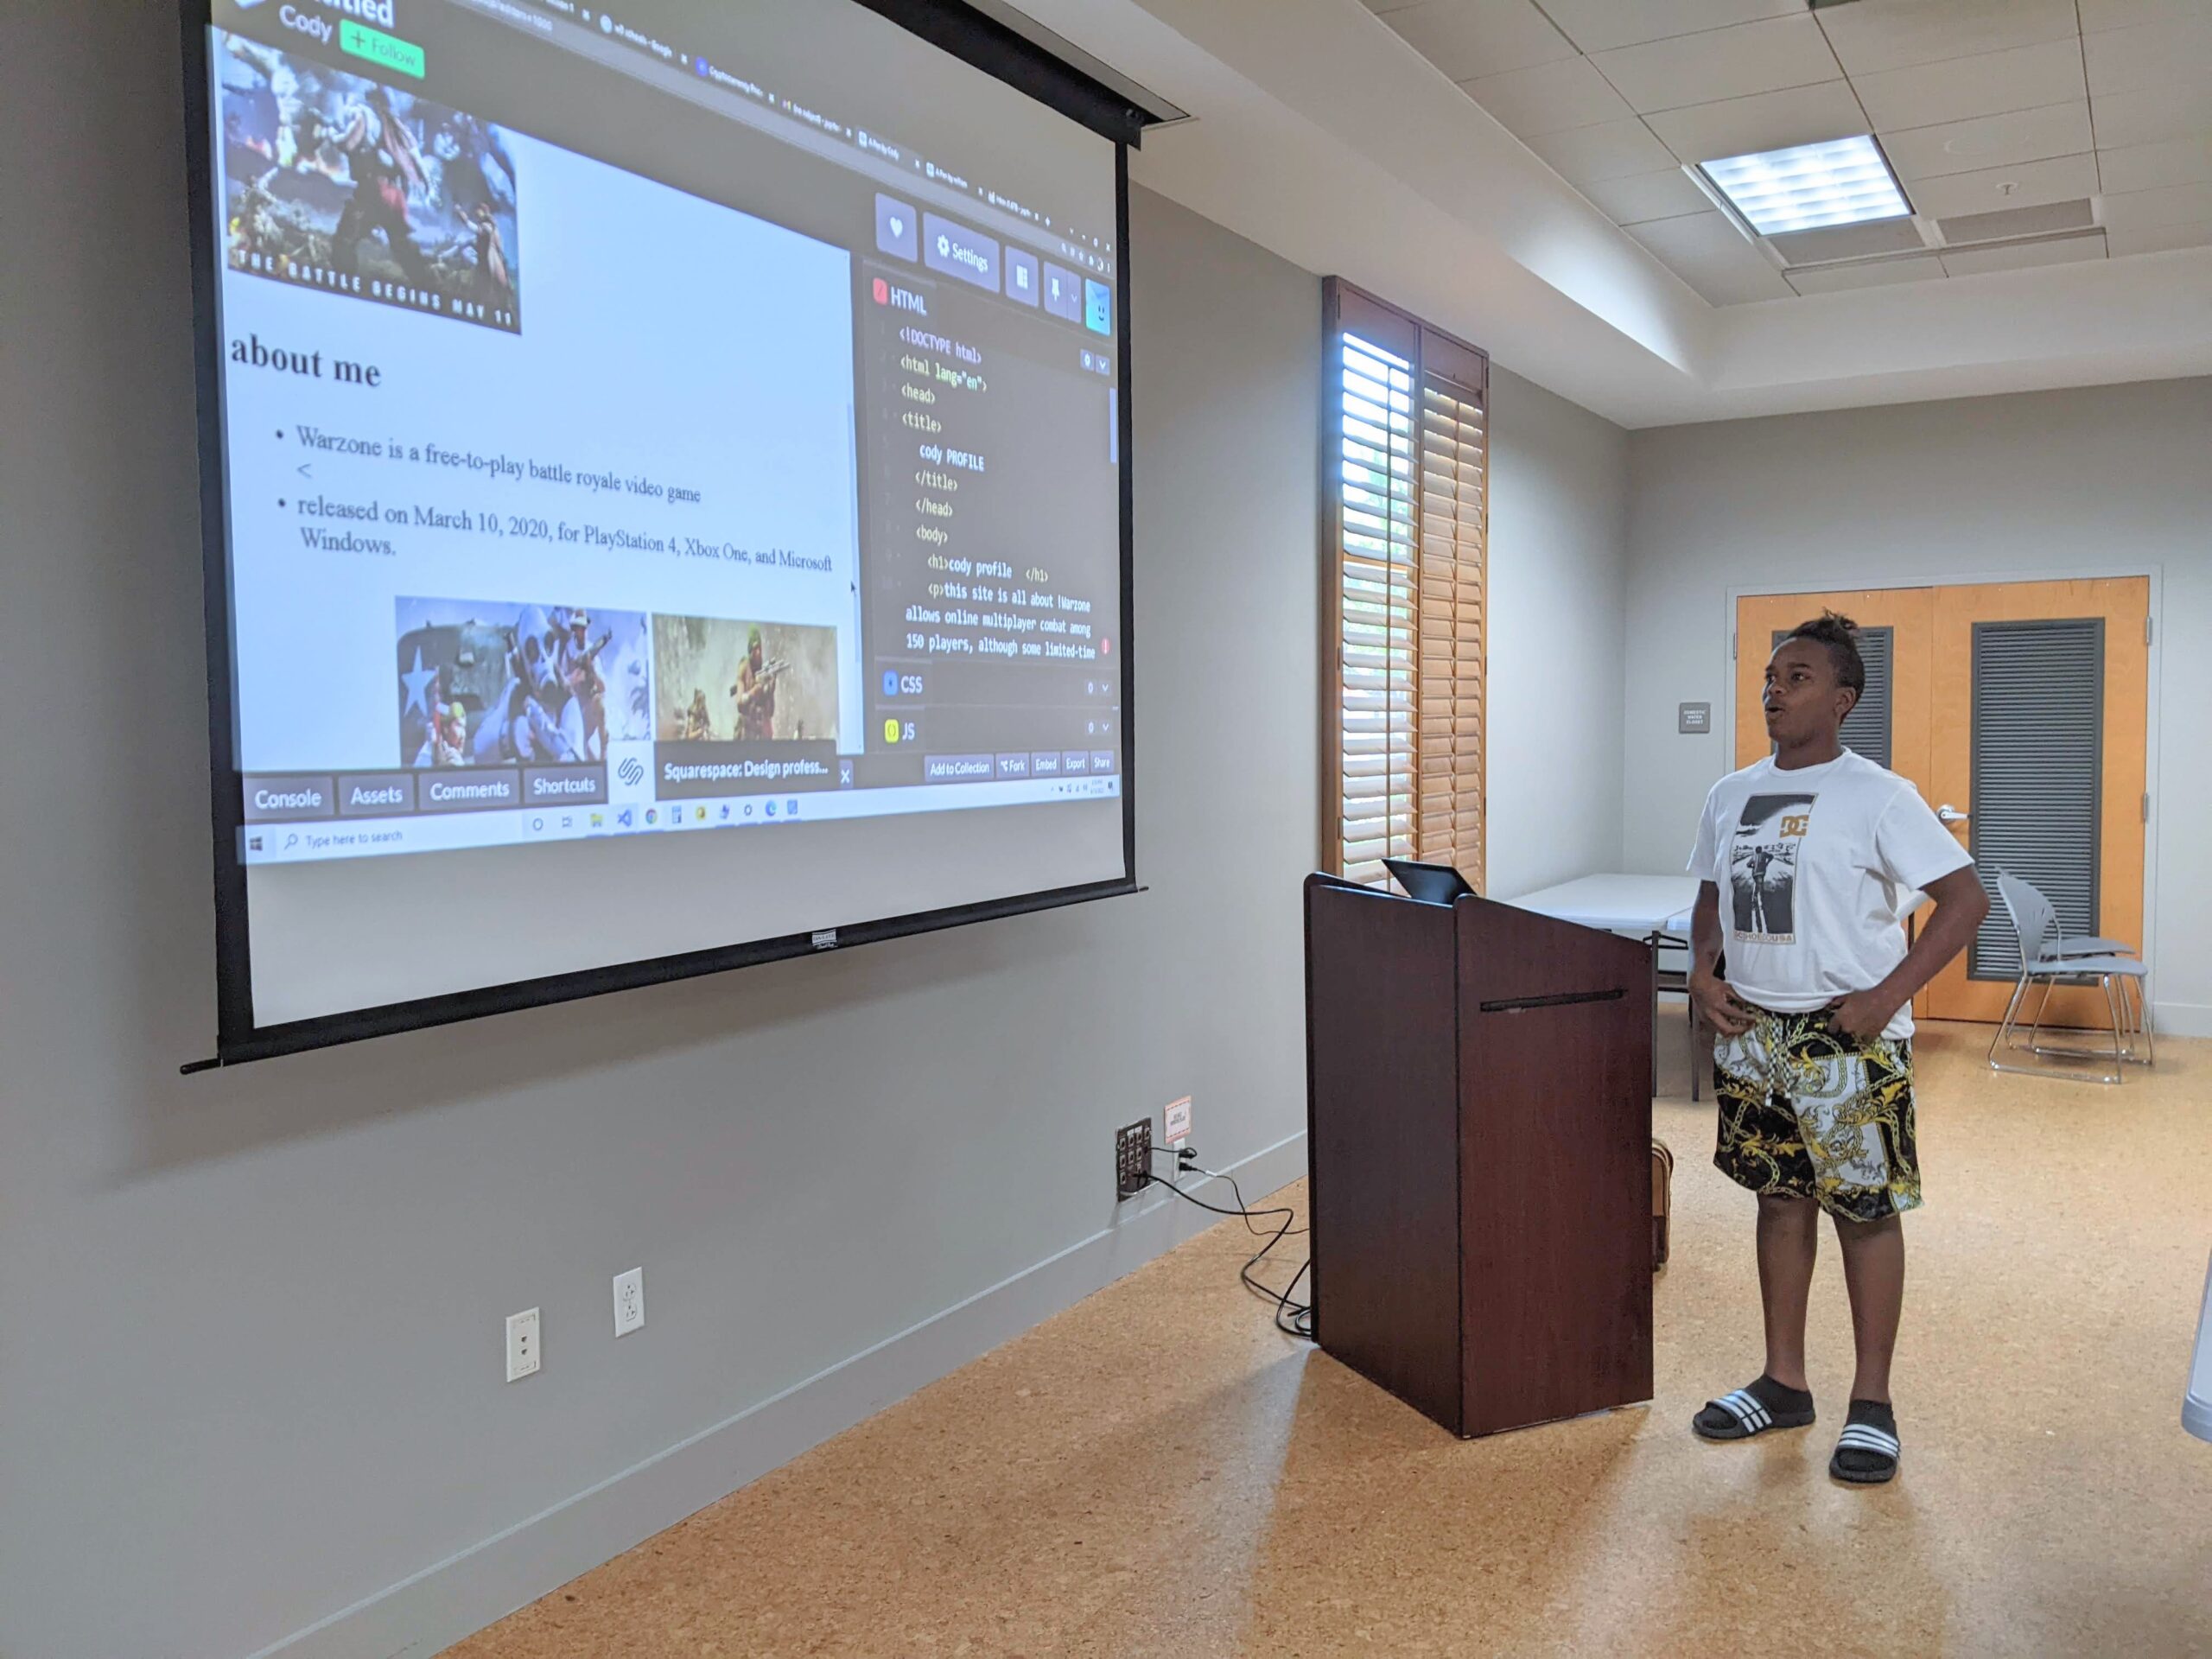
671, 490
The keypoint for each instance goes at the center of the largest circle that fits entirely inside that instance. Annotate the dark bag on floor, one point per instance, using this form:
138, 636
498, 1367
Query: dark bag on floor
1662, 1175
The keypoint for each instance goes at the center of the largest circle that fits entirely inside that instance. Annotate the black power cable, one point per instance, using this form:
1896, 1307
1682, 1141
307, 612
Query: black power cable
1292, 1318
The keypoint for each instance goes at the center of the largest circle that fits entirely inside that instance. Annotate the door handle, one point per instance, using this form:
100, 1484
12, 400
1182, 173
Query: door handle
1951, 814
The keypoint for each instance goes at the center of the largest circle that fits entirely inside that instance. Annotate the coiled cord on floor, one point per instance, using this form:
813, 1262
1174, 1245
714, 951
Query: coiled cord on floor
1292, 1318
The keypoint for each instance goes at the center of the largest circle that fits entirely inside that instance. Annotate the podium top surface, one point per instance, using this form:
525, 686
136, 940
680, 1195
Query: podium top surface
1639, 904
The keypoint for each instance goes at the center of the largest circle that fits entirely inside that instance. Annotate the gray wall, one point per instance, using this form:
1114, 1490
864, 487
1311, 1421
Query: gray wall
2103, 480
1558, 551
250, 1377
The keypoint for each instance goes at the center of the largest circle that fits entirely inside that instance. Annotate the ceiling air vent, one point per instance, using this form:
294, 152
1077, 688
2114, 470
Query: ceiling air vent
1865, 241
2007, 222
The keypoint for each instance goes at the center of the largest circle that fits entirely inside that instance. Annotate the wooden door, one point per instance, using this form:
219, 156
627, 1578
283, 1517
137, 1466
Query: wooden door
2041, 697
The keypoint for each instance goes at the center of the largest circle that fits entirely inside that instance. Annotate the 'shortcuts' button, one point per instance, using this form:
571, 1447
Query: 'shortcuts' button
467, 790
375, 795
563, 786
959, 768
275, 800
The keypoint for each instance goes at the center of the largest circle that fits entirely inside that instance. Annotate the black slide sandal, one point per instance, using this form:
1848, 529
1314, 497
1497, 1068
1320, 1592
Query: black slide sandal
1753, 1410
1867, 1452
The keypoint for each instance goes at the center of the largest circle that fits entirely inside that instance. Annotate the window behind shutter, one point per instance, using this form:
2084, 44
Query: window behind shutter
1406, 503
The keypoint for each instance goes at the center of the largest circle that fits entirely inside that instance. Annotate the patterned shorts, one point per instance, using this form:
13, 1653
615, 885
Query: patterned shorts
1806, 1111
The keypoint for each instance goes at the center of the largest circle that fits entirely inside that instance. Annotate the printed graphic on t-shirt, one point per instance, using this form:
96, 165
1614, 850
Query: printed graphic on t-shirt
1763, 866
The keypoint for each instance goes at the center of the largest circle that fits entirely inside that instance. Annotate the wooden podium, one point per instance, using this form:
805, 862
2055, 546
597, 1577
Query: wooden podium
1479, 1116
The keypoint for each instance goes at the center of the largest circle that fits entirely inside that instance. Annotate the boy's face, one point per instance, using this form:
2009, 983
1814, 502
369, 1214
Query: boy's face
1803, 700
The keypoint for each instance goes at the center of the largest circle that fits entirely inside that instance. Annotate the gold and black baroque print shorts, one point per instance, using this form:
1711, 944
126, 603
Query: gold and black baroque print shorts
1808, 1111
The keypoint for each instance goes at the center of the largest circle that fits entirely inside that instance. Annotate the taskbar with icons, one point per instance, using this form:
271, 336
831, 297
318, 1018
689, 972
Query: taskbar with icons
311, 840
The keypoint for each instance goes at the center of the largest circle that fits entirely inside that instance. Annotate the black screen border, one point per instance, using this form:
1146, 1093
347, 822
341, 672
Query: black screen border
953, 27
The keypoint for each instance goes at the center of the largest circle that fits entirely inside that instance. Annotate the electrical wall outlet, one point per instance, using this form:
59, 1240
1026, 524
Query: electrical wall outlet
1132, 1160
524, 1353
629, 1302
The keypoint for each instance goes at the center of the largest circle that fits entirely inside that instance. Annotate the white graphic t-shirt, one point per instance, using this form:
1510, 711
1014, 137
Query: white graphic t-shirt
1818, 869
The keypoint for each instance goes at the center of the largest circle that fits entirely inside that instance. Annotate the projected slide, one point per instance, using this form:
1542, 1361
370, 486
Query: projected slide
651, 423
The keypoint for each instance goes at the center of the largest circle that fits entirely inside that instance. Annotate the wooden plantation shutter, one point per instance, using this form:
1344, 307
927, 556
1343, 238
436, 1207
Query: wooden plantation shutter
1405, 517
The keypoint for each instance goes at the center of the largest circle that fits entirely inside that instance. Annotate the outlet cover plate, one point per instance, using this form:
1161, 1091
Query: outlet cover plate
524, 1352
629, 1302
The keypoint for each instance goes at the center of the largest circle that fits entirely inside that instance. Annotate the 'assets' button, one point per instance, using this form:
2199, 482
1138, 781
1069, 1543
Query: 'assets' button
467, 790
375, 795
278, 800
959, 768
563, 786
958, 251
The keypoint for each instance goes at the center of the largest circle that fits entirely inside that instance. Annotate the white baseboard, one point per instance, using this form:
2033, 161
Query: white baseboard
2183, 1018
437, 1607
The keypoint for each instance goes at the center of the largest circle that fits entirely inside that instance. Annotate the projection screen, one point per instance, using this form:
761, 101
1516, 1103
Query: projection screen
666, 487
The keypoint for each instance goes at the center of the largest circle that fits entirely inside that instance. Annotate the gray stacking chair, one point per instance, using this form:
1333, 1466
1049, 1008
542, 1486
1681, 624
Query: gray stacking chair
2049, 958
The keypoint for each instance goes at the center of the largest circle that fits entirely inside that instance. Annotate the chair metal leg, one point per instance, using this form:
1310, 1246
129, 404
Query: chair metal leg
2005, 1026
2007, 1038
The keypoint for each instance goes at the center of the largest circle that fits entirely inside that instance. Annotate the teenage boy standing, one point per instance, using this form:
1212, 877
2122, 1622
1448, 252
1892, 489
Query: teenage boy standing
1810, 862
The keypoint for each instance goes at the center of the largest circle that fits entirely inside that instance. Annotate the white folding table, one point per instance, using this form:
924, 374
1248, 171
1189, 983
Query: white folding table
1653, 908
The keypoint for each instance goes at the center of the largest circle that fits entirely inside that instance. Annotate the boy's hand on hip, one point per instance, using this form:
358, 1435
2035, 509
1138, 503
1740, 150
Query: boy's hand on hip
1720, 1008
1861, 1015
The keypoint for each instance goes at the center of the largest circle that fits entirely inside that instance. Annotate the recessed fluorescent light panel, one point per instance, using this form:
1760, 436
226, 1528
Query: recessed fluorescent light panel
1847, 181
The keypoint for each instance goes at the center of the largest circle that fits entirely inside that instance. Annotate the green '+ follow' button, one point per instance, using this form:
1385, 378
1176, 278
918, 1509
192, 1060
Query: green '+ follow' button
386, 51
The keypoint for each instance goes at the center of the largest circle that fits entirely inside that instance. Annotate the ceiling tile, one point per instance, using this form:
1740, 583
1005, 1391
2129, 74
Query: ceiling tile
1990, 140
2160, 115
2130, 13
2146, 166
1740, 126
1549, 98
1881, 274
1709, 253
2159, 239
1639, 196
1585, 156
1874, 35
1468, 38
2173, 204
2061, 179
2020, 256
1762, 57
2157, 55
1959, 89
1600, 25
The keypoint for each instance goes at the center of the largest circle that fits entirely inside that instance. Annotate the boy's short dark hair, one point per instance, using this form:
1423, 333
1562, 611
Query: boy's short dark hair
1841, 635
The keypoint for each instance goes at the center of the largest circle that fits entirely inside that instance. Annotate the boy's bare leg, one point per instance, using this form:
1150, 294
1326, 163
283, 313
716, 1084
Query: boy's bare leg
1789, 1242
1873, 1271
